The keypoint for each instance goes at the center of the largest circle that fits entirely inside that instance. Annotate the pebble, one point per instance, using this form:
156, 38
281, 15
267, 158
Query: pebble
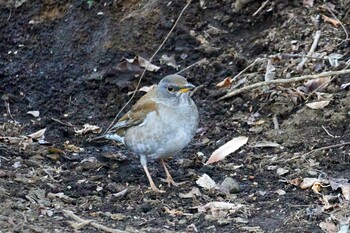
229, 185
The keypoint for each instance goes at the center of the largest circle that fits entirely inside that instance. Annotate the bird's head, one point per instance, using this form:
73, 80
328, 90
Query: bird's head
173, 86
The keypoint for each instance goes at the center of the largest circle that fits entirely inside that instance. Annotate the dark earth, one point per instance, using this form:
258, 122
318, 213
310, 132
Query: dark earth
63, 59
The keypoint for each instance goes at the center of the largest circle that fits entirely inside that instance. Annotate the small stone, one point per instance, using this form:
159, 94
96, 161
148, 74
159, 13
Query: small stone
282, 171
229, 185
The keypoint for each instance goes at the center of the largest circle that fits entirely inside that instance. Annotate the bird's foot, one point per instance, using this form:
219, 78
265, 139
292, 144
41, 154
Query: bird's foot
156, 190
170, 182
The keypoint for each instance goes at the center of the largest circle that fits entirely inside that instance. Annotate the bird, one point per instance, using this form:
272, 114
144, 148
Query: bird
159, 125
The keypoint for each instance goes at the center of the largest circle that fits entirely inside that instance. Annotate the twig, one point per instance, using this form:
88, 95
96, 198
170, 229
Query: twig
325, 148
311, 51
82, 222
245, 69
275, 122
261, 7
6, 98
283, 81
121, 193
289, 55
333, 136
202, 61
149, 62
62, 123
341, 24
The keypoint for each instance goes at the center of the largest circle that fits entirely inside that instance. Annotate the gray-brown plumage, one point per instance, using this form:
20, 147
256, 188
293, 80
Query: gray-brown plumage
160, 124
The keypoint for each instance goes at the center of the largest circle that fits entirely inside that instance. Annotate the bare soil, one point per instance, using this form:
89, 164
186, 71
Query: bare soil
60, 58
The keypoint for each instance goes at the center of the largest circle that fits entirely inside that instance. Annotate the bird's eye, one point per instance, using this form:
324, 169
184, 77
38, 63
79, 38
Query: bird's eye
170, 88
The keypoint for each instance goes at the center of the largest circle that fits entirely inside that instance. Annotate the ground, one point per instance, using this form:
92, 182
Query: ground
65, 60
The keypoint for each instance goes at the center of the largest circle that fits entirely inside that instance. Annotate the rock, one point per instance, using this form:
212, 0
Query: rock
229, 185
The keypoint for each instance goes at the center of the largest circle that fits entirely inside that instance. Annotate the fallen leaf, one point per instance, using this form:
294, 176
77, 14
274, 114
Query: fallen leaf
266, 144
316, 187
88, 128
308, 182
345, 85
37, 135
226, 149
169, 61
225, 83
296, 181
206, 182
144, 89
147, 65
280, 192
318, 84
219, 205
282, 171
332, 21
328, 227
173, 213
72, 148
191, 194
345, 188
134, 64
34, 113
308, 3
270, 71
318, 105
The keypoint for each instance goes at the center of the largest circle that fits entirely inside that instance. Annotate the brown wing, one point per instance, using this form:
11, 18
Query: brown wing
137, 114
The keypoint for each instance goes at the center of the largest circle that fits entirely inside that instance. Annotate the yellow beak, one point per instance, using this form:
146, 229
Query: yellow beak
188, 87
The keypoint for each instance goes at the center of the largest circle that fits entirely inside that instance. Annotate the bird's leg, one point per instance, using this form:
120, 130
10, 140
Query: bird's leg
169, 179
150, 180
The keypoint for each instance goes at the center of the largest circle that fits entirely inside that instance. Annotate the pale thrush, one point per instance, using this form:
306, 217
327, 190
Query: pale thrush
160, 124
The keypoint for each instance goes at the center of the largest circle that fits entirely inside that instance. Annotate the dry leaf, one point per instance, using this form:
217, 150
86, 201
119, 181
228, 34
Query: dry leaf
318, 105
173, 213
88, 128
316, 187
267, 144
147, 65
332, 21
206, 182
308, 3
193, 193
226, 149
318, 84
328, 227
34, 113
345, 188
169, 61
296, 181
280, 192
345, 85
270, 71
219, 205
225, 83
308, 182
134, 64
38, 135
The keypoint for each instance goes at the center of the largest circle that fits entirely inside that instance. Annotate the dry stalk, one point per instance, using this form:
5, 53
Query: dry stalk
284, 81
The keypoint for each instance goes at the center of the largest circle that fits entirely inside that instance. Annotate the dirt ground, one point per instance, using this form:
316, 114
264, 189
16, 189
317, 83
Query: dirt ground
62, 58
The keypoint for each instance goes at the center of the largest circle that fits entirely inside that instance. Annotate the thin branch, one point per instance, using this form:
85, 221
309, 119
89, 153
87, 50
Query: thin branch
284, 81
341, 24
83, 222
145, 69
248, 67
200, 62
325, 148
261, 7
311, 51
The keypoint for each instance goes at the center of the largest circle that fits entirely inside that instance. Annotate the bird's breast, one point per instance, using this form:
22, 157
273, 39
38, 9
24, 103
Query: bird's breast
164, 132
